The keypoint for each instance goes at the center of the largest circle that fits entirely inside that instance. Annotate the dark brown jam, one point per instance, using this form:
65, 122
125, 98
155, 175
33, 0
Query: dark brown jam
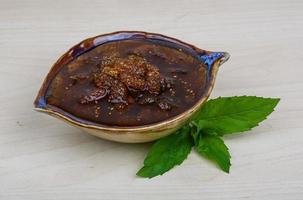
129, 83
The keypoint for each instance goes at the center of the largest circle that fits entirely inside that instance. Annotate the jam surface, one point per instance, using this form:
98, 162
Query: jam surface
130, 82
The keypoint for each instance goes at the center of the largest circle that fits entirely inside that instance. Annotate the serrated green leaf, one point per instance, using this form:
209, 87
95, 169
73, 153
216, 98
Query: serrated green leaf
166, 153
213, 148
226, 115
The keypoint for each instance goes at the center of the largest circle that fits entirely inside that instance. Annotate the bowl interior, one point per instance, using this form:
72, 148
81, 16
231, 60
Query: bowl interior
211, 59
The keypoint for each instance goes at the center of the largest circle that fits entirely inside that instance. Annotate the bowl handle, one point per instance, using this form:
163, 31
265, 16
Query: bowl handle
211, 57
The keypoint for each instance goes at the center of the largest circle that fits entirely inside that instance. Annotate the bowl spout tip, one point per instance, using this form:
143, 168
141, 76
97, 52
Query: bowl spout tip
224, 58
39, 103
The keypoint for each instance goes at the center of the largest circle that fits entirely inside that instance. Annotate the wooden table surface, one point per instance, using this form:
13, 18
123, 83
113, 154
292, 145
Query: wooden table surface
44, 158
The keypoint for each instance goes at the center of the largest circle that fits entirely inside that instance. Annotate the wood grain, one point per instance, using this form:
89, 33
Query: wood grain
43, 158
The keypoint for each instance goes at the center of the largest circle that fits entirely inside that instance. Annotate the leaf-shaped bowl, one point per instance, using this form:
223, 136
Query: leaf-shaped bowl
131, 134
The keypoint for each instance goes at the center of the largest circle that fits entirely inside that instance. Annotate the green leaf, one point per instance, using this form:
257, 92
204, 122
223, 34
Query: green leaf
213, 148
226, 115
166, 153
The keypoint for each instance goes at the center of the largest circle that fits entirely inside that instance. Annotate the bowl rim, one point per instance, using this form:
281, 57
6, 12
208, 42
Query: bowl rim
92, 42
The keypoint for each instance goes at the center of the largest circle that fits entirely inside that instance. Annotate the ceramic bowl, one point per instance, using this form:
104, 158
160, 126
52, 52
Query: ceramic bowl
137, 134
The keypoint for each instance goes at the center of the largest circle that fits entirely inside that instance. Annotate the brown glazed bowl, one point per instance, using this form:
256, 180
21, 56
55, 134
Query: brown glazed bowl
137, 134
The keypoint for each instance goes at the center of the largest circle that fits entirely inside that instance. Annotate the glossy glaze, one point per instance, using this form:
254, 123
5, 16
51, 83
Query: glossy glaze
135, 134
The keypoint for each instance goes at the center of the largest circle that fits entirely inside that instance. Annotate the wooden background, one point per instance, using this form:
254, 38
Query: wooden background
44, 158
